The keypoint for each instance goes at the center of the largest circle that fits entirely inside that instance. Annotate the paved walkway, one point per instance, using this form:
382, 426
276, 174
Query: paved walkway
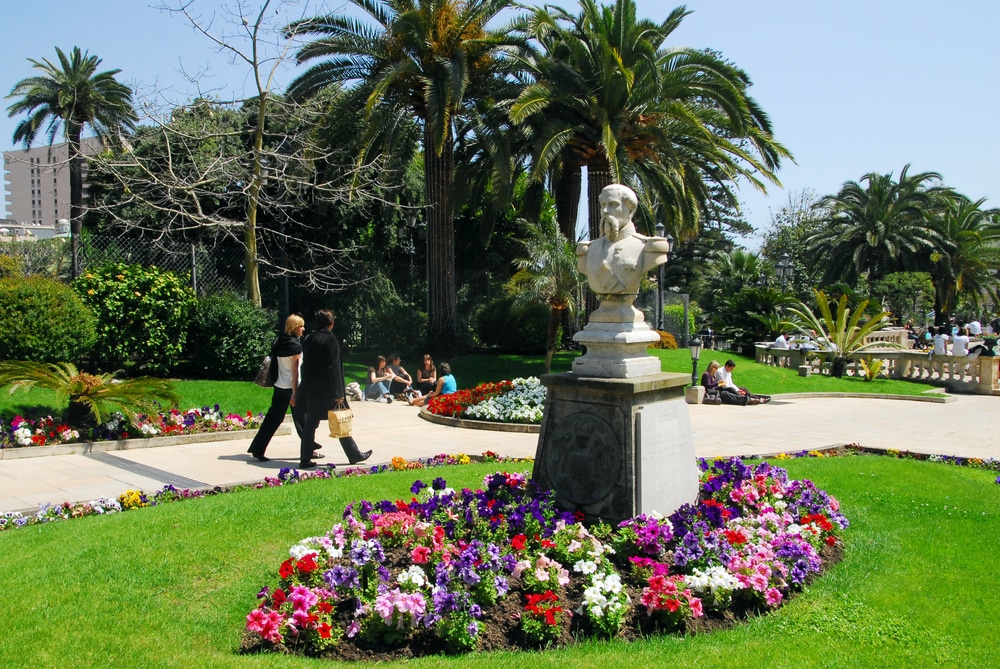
968, 426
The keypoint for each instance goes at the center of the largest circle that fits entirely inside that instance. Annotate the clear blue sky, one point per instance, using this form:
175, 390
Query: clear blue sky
851, 86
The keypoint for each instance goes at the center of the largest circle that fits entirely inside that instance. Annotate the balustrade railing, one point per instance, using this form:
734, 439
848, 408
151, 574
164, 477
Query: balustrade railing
976, 375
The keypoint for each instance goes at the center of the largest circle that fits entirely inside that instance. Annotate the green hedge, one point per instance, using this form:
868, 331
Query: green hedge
522, 331
142, 316
42, 320
227, 338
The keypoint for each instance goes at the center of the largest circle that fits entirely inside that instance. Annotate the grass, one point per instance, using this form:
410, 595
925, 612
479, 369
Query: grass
170, 586
471, 370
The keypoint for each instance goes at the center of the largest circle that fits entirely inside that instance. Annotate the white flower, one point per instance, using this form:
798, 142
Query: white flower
585, 567
413, 576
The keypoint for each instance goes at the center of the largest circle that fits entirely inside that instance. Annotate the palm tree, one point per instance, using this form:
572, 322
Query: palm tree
429, 59
731, 272
607, 96
69, 96
843, 334
875, 227
89, 395
548, 272
967, 260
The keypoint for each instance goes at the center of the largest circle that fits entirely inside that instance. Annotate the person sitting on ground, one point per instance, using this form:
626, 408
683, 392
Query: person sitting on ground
780, 341
446, 385
402, 383
710, 384
379, 378
732, 393
427, 376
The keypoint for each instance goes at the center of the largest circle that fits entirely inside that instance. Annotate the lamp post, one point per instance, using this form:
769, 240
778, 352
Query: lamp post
660, 229
785, 269
695, 354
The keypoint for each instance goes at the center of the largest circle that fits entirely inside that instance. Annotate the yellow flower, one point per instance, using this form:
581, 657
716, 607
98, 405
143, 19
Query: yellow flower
90, 291
138, 294
399, 464
119, 276
463, 459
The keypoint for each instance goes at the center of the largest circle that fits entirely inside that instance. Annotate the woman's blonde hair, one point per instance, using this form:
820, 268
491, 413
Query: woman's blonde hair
293, 323
714, 363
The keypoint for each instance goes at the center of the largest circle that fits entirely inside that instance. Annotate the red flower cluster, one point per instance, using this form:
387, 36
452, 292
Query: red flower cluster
453, 404
544, 606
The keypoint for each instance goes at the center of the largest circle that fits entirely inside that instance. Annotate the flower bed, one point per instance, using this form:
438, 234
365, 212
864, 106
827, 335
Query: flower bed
516, 401
499, 568
46, 431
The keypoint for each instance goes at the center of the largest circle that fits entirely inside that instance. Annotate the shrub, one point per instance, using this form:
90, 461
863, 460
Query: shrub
11, 267
142, 315
42, 320
666, 340
227, 338
513, 330
673, 319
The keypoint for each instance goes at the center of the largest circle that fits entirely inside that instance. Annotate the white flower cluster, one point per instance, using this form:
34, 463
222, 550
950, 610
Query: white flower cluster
316, 545
715, 585
605, 596
523, 404
23, 435
148, 429
414, 576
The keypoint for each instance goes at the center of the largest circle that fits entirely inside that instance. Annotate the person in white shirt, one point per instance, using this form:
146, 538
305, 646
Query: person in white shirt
780, 342
975, 328
960, 342
732, 393
940, 340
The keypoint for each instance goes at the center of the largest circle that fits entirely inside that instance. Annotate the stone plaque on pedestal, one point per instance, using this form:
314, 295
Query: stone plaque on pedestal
614, 448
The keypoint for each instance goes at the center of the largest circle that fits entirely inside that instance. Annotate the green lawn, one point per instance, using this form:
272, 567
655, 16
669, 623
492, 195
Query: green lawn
471, 370
170, 586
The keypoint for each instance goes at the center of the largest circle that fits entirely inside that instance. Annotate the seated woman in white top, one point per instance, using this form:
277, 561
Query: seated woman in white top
960, 342
780, 342
941, 340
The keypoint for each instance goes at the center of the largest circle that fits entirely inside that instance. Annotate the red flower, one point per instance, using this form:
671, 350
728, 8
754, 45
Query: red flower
735, 538
324, 607
278, 598
286, 569
548, 544
518, 542
831, 541
307, 563
324, 631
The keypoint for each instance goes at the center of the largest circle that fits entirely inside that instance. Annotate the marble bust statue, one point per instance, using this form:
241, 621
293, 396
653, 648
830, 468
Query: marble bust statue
615, 262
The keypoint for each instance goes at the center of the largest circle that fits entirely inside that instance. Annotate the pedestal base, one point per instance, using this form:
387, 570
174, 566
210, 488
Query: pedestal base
615, 448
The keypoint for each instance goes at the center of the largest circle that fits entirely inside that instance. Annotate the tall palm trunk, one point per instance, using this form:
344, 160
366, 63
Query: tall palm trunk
598, 177
439, 174
555, 322
73, 132
567, 195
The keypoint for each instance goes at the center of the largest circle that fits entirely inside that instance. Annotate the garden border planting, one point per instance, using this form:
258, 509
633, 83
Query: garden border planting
83, 447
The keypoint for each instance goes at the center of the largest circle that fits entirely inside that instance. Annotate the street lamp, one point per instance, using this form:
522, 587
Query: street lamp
660, 229
695, 354
785, 269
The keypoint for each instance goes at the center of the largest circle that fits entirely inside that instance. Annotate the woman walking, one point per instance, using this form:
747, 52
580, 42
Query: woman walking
286, 352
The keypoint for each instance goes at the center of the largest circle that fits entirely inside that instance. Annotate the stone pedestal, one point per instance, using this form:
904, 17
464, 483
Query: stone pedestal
614, 448
694, 394
617, 339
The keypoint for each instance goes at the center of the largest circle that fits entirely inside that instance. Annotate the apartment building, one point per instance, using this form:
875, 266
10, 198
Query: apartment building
36, 183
